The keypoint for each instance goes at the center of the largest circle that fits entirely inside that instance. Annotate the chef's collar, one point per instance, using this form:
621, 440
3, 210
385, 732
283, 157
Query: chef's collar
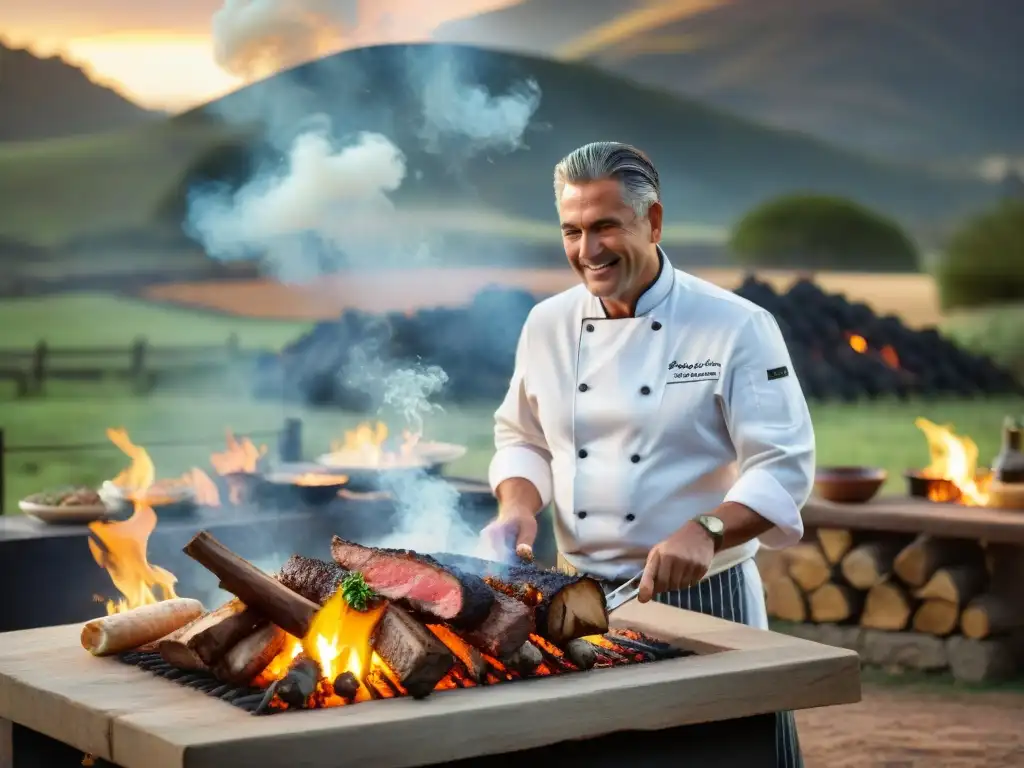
656, 292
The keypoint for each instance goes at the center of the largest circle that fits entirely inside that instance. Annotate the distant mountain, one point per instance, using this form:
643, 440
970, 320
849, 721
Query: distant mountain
714, 166
938, 80
45, 98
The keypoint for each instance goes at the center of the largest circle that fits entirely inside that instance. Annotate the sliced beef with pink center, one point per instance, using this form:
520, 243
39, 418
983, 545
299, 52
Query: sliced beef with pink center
419, 582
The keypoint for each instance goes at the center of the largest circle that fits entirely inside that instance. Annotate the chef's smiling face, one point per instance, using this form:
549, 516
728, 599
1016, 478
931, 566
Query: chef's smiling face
612, 249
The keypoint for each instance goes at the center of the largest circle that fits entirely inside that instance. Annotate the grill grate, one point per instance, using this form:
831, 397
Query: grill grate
257, 700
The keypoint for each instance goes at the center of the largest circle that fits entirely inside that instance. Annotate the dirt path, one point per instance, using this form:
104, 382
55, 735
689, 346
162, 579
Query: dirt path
899, 728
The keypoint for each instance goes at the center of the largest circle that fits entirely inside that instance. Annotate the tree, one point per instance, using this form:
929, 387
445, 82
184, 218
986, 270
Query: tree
984, 261
822, 232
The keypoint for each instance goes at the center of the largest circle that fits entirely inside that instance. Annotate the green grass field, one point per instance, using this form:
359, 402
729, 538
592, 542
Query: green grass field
879, 434
97, 319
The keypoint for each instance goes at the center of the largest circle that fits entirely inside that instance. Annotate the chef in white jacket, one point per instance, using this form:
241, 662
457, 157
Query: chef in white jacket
660, 413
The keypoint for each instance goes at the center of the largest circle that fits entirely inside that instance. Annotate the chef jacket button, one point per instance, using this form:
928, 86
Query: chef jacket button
590, 327
584, 387
655, 326
581, 514
645, 390
582, 453
630, 517
635, 458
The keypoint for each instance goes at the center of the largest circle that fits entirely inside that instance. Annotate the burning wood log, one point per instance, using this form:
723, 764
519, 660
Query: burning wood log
259, 591
990, 615
417, 658
785, 600
566, 606
471, 658
918, 561
251, 655
808, 567
888, 606
127, 631
233, 623
524, 659
835, 603
835, 543
956, 584
869, 563
581, 653
420, 582
175, 648
937, 617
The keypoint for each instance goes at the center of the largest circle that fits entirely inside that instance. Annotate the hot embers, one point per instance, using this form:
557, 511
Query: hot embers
614, 649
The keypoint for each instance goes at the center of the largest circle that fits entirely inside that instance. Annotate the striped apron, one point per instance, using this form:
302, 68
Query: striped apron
736, 594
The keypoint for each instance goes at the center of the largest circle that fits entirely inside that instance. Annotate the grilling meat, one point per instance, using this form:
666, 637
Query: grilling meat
314, 579
566, 607
419, 582
508, 625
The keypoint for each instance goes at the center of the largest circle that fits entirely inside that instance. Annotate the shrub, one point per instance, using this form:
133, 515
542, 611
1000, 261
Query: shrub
984, 261
820, 232
995, 331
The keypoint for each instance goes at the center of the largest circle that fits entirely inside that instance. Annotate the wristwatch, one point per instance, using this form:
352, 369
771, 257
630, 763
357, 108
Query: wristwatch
714, 526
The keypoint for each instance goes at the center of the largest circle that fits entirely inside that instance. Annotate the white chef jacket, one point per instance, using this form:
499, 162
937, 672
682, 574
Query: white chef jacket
635, 426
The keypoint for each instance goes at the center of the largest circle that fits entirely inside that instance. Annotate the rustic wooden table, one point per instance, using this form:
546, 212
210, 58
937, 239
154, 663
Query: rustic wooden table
904, 514
53, 691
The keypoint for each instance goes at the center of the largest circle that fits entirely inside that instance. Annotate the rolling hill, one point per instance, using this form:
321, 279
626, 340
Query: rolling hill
935, 80
45, 98
714, 166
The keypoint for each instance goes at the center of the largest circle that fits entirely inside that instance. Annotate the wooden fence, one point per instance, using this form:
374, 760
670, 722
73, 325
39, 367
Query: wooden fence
139, 364
288, 447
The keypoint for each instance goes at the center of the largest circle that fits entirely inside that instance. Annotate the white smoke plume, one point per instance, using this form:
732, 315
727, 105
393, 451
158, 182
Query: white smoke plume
326, 203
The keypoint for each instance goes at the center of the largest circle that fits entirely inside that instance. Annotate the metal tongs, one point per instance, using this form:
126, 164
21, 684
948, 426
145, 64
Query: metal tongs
625, 593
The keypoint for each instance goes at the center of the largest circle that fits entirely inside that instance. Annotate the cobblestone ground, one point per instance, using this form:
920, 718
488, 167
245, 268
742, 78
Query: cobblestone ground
900, 728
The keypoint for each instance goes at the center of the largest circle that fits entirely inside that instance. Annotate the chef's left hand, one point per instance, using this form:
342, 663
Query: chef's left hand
678, 562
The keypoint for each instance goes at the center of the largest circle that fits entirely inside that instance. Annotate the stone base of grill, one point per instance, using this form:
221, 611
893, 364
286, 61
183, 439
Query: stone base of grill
257, 700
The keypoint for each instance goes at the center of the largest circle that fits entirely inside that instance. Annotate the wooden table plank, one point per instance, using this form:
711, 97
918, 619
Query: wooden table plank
155, 723
899, 514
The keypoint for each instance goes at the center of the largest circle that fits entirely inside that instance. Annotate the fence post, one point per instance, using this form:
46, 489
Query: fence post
137, 369
289, 447
39, 368
2, 463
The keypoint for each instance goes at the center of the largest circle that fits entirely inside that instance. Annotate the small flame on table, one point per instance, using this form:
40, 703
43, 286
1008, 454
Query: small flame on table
366, 445
954, 458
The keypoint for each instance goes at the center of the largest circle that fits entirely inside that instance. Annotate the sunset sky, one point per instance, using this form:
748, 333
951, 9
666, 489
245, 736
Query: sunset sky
160, 52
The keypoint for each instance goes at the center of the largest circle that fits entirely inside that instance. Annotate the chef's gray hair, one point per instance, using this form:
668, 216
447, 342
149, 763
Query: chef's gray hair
629, 166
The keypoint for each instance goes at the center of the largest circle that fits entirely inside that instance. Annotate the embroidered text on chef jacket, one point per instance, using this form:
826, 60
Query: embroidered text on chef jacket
635, 426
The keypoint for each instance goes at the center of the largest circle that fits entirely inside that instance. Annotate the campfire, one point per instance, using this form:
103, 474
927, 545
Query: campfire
952, 474
373, 624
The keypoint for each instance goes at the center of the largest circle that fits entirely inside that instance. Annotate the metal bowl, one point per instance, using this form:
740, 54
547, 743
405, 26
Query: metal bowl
849, 485
428, 459
922, 486
288, 480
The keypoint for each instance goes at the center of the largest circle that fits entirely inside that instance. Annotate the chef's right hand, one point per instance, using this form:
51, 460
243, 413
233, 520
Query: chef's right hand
512, 529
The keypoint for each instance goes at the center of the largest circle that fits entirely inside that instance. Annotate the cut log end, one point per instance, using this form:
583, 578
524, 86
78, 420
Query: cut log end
835, 604
990, 616
887, 606
577, 611
955, 584
835, 543
785, 600
918, 561
808, 566
869, 563
937, 617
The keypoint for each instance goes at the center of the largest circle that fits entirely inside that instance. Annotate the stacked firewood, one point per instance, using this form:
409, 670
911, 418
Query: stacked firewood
862, 588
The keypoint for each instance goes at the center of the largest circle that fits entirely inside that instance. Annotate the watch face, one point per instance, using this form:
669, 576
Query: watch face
714, 525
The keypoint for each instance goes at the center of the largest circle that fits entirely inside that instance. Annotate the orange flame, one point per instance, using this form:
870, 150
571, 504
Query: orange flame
365, 445
339, 641
858, 343
955, 459
241, 456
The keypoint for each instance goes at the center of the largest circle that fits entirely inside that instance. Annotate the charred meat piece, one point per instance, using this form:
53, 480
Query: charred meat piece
419, 582
566, 607
314, 579
509, 624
